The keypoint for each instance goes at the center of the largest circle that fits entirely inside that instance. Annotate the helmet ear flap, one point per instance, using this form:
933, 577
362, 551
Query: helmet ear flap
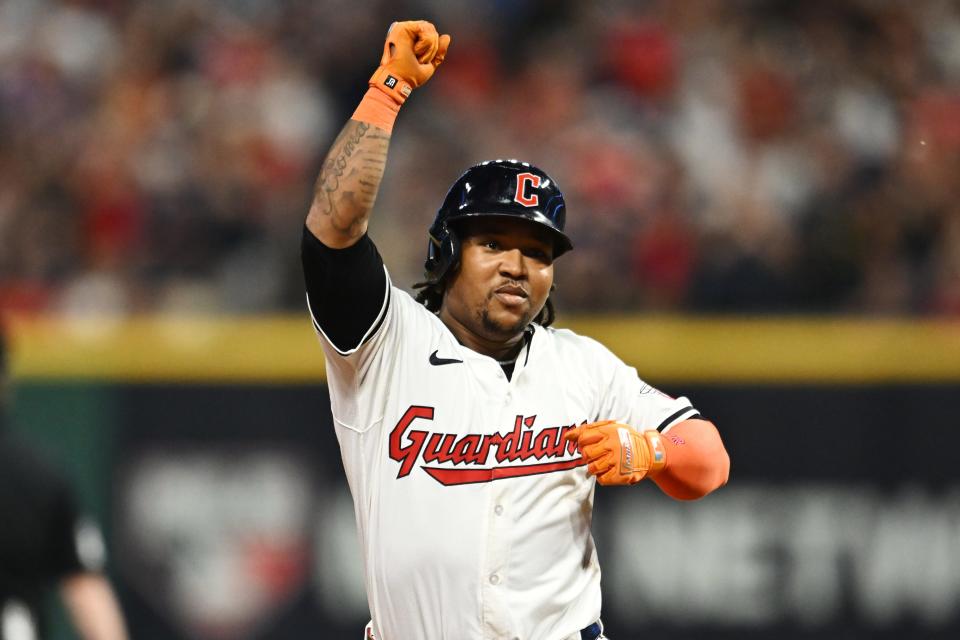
443, 254
451, 250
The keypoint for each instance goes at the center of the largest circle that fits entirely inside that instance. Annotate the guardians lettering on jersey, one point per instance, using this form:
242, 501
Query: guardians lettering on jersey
407, 446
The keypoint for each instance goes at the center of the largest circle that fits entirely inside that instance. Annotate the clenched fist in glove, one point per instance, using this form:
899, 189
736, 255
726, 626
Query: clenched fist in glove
412, 52
617, 453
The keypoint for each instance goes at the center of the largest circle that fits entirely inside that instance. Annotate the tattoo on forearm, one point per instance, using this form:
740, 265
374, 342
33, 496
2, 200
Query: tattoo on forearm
348, 182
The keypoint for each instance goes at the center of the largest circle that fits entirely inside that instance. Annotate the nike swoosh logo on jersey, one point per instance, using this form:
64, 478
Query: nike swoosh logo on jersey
437, 361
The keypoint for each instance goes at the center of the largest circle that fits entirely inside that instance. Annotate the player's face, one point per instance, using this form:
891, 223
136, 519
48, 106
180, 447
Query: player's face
504, 278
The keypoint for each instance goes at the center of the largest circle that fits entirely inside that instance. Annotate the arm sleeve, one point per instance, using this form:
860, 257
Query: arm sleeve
697, 461
347, 290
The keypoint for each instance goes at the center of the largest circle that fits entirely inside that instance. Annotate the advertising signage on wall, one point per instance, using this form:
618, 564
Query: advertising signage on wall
228, 517
236, 523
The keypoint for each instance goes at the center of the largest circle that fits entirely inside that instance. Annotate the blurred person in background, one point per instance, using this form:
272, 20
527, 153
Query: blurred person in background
46, 544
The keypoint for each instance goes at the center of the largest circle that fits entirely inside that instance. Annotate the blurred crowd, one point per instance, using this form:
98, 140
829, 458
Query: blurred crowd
720, 156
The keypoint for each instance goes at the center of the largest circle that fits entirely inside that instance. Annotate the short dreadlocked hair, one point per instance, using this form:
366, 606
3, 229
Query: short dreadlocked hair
430, 295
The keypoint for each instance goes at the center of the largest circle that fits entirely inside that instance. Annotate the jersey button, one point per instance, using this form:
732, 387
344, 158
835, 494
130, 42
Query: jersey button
494, 579
498, 510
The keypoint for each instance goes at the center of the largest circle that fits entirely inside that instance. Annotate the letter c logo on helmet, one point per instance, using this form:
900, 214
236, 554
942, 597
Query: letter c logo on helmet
523, 179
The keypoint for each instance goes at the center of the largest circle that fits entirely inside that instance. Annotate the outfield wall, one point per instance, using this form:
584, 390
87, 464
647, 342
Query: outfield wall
207, 451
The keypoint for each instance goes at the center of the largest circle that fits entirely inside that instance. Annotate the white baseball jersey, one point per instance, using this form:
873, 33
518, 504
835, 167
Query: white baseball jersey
473, 512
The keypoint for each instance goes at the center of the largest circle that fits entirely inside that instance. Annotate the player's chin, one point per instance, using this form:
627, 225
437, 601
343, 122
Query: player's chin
506, 322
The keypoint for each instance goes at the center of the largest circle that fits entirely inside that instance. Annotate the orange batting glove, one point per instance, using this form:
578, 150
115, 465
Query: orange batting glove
617, 453
412, 52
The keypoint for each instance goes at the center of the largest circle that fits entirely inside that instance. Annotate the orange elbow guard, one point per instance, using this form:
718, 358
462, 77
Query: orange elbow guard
697, 462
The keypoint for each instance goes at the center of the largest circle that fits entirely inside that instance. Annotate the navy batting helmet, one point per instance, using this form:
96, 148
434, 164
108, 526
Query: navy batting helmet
496, 188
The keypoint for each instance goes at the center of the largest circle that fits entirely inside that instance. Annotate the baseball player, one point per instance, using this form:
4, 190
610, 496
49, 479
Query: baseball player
472, 433
46, 545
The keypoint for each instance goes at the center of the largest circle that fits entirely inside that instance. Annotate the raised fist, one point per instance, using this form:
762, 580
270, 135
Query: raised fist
411, 53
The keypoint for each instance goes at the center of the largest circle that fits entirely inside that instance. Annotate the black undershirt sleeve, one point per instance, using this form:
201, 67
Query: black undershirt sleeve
345, 288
